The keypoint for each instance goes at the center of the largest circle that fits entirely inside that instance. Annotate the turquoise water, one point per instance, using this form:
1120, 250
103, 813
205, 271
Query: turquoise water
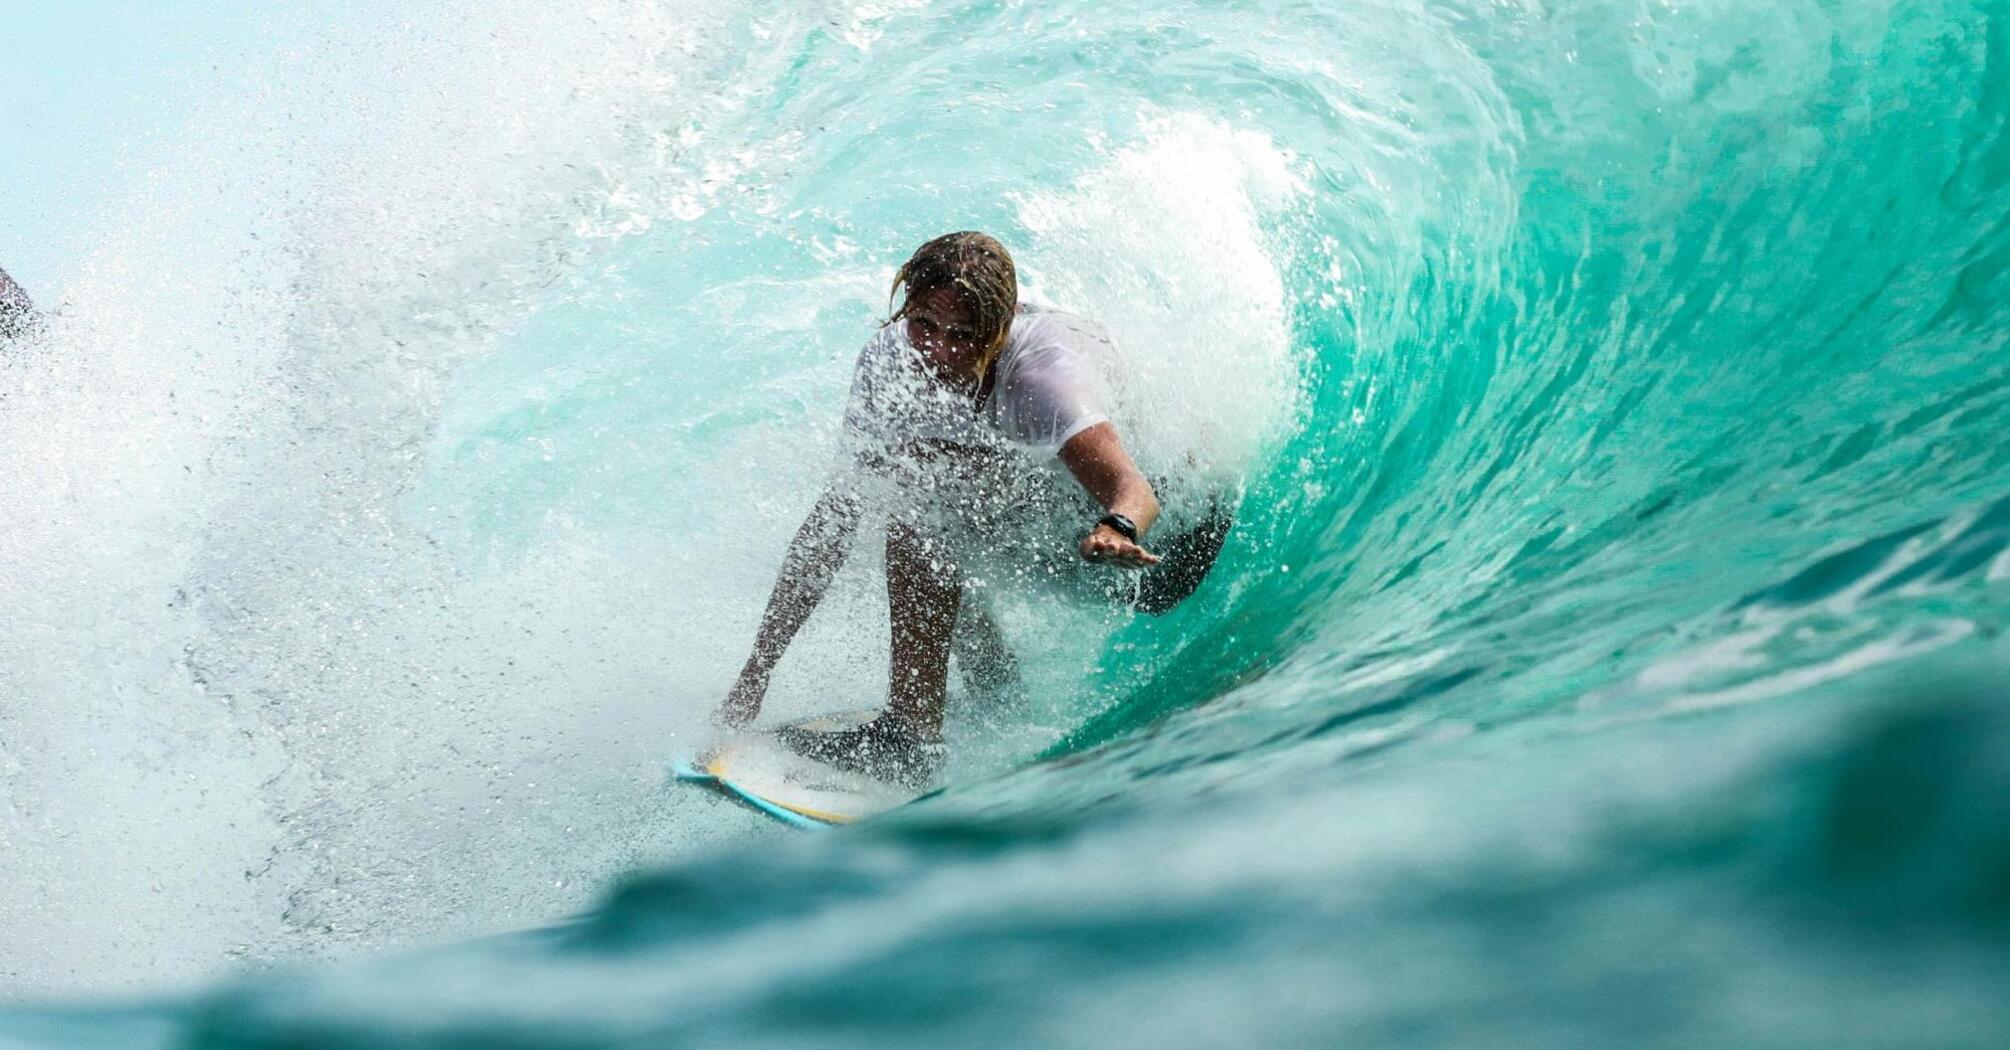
1610, 651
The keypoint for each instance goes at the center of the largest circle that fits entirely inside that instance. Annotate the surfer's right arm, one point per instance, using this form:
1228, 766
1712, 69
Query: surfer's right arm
814, 557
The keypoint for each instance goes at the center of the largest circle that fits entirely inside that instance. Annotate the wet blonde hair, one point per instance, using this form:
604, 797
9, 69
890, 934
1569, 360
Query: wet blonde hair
979, 270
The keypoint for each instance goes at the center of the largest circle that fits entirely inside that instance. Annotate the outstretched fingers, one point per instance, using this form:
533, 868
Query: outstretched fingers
1106, 545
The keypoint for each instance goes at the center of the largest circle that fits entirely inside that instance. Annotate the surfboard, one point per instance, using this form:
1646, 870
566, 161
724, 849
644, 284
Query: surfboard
756, 770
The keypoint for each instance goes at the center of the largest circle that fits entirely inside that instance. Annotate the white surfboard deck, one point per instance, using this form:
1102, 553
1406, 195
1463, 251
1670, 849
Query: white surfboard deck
756, 770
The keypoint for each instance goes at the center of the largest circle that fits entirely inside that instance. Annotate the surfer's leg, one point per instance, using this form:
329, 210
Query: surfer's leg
923, 591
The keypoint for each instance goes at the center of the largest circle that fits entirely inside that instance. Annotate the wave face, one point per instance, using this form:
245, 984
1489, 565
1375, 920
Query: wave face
1609, 649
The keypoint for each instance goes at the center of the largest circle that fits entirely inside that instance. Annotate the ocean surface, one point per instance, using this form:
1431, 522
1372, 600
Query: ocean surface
1610, 652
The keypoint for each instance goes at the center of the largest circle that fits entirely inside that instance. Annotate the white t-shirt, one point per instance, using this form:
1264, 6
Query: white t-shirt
1053, 381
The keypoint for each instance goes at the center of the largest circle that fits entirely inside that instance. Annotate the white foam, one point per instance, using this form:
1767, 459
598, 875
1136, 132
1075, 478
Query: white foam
249, 711
1193, 298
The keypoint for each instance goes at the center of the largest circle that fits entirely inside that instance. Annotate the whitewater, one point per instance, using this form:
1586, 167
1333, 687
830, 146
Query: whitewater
1609, 650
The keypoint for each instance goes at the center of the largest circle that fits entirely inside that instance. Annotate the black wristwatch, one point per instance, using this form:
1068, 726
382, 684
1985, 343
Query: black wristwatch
1123, 525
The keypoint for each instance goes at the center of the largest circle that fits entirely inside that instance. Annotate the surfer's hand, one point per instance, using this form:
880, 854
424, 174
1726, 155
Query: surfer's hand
743, 704
1106, 544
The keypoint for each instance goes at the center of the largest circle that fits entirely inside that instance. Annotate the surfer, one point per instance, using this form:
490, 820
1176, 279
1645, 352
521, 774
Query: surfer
16, 312
962, 395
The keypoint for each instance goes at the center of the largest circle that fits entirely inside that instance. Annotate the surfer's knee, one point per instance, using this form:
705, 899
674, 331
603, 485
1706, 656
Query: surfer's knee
917, 549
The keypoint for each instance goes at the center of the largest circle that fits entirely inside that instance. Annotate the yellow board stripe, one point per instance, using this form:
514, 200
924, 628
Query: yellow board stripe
715, 766
814, 814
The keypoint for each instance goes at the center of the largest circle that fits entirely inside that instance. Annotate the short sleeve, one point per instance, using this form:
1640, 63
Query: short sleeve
1053, 394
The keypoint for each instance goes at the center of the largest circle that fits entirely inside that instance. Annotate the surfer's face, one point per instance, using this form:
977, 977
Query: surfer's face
944, 329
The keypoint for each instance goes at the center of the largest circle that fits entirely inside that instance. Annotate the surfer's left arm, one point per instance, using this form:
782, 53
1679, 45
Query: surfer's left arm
1097, 459
814, 557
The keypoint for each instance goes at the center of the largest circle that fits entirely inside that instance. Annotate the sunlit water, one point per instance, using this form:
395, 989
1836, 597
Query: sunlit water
1609, 650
